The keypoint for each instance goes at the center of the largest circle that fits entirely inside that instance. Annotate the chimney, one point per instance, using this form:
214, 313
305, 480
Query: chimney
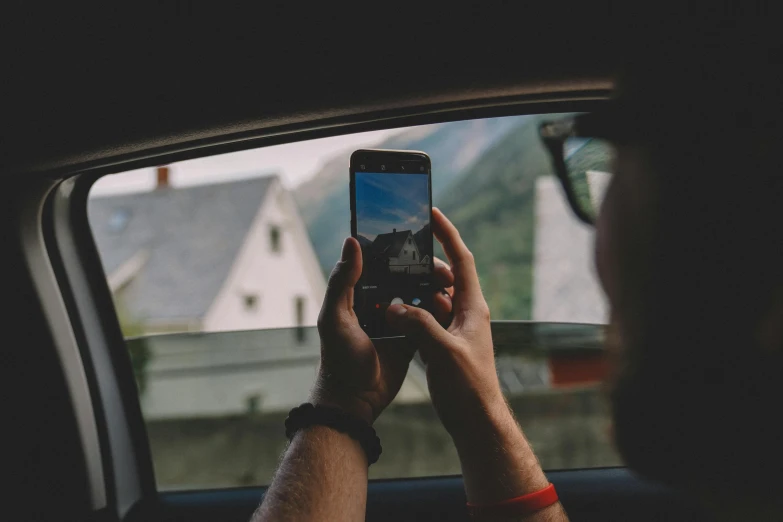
163, 177
394, 231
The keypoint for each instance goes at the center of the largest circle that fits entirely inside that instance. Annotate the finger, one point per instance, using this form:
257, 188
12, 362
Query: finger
339, 289
395, 351
466, 282
443, 276
441, 308
416, 324
439, 261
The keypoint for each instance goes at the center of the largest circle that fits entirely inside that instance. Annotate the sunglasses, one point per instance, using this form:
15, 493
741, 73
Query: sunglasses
582, 156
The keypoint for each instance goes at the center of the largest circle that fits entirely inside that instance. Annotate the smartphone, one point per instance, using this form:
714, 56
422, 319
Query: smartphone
391, 212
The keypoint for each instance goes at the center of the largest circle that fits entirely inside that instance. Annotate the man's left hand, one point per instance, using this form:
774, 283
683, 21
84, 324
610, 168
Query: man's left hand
357, 374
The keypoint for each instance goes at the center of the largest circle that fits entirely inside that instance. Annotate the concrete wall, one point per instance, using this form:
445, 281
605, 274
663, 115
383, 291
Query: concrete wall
234, 373
567, 428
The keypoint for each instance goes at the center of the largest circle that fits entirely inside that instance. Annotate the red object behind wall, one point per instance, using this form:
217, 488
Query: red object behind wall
572, 369
163, 176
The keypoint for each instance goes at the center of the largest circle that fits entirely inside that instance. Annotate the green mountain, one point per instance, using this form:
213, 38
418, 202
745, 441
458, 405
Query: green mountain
493, 206
453, 147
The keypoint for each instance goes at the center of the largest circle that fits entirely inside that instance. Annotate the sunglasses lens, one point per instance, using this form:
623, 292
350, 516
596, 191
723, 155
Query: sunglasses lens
589, 162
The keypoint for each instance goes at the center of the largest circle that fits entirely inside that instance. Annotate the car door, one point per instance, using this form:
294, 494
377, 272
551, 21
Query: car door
194, 332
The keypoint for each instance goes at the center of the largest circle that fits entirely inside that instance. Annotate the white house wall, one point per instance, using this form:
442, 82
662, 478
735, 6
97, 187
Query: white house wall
565, 285
275, 278
405, 257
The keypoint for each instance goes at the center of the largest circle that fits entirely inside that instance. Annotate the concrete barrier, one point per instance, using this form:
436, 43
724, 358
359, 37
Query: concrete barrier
567, 428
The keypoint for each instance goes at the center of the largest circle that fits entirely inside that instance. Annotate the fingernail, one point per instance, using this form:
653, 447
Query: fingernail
398, 309
344, 253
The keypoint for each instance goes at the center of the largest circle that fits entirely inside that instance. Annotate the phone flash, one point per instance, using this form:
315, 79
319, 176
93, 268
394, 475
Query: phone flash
383, 167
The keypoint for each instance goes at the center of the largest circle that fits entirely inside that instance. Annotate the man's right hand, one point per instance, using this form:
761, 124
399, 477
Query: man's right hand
497, 461
460, 359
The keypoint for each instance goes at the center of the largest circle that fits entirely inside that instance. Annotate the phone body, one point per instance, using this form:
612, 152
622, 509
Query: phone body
391, 212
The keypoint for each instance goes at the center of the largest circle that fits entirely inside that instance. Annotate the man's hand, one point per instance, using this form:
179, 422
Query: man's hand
460, 358
497, 461
323, 474
357, 374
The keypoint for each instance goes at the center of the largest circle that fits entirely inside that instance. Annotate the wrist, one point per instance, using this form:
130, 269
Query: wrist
495, 422
328, 394
494, 446
488, 414
308, 415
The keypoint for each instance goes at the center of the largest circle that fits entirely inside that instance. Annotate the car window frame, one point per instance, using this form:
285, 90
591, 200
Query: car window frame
126, 456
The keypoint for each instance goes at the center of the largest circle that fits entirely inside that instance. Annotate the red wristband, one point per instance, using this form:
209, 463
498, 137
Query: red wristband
524, 505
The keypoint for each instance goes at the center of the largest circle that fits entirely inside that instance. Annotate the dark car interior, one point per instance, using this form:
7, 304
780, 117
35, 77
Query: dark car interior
85, 98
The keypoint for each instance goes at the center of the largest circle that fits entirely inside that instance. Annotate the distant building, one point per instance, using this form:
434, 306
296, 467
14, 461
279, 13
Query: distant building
218, 258
565, 284
228, 256
400, 252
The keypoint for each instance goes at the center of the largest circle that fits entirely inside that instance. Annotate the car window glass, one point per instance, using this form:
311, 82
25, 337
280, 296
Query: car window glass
218, 267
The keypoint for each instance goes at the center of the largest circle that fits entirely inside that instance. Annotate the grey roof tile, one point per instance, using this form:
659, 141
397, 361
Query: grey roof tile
191, 235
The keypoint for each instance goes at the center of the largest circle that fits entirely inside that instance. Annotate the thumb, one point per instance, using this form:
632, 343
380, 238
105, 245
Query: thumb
339, 289
418, 325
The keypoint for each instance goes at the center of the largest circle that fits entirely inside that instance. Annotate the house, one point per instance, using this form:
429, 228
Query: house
400, 252
227, 256
565, 285
229, 267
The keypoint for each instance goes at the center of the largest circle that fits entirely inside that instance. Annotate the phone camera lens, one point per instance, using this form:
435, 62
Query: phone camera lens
421, 169
383, 167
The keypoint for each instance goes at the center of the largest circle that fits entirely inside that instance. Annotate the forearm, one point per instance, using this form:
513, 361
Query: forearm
323, 476
498, 463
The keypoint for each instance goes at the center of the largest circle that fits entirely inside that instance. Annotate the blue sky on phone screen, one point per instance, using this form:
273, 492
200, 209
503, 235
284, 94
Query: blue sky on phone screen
385, 202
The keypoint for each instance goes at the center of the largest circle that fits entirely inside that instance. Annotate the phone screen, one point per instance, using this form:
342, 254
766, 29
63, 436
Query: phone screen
392, 224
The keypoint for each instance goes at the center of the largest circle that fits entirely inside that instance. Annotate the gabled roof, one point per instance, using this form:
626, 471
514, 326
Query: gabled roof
390, 244
189, 237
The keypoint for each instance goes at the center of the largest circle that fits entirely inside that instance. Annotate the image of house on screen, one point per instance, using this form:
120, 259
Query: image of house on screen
398, 252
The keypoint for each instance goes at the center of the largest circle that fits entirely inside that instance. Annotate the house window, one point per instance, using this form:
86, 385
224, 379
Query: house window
299, 304
250, 301
409, 241
274, 238
405, 251
253, 403
414, 256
